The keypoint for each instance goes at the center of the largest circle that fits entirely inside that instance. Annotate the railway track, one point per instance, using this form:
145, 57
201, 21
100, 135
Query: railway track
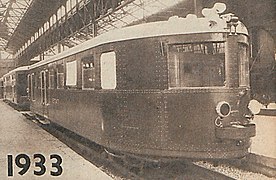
118, 170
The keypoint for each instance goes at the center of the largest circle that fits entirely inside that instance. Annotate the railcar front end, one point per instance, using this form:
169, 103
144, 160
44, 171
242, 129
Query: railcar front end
203, 110
200, 105
208, 97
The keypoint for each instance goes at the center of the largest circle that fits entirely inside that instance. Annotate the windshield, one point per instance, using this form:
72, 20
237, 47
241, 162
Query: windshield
196, 64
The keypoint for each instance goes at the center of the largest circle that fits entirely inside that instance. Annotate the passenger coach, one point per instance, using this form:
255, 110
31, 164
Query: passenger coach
176, 88
15, 88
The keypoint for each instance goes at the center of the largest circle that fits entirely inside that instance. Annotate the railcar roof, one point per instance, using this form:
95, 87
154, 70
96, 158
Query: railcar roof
174, 26
22, 68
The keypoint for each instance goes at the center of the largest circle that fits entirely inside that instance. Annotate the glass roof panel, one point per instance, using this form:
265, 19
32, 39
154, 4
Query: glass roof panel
11, 12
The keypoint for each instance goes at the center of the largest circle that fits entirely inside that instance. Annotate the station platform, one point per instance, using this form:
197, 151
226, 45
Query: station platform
270, 110
21, 136
262, 158
264, 143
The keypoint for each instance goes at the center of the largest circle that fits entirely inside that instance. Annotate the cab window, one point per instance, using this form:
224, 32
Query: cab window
196, 64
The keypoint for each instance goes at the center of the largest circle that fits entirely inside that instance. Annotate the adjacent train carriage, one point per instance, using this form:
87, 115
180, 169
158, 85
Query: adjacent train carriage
176, 88
263, 67
15, 88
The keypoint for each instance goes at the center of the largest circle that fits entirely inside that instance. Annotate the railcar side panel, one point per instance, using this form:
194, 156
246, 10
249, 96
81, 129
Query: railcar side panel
80, 112
140, 64
134, 125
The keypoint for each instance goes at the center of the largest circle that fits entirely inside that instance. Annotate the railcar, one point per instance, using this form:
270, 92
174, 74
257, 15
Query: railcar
169, 89
15, 88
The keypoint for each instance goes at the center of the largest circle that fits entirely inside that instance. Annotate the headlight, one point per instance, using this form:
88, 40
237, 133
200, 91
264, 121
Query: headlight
223, 109
254, 106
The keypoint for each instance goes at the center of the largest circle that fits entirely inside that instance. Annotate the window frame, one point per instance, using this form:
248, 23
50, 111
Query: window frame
33, 85
52, 76
60, 63
88, 58
71, 64
190, 47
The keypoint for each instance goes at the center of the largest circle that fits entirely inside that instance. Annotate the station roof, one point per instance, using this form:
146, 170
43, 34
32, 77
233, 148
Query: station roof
11, 12
37, 14
31, 14
254, 13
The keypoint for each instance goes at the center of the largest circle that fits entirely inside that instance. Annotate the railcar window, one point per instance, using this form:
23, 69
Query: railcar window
88, 72
29, 86
13, 80
108, 70
244, 65
44, 86
60, 76
33, 85
37, 80
196, 64
71, 73
42, 76
52, 79
6, 80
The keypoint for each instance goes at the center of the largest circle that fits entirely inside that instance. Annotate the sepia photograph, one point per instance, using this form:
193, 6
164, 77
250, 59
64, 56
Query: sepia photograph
138, 89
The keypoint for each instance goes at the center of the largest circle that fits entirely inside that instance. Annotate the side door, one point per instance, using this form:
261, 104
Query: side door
44, 92
13, 85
